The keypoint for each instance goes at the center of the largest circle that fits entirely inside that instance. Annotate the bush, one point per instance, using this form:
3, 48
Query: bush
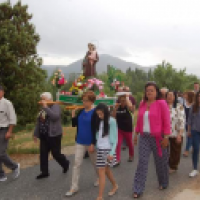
30, 127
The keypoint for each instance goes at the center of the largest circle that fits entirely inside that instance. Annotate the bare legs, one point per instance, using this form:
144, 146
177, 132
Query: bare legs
103, 172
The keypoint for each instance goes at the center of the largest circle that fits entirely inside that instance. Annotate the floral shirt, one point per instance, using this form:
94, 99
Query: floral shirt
178, 120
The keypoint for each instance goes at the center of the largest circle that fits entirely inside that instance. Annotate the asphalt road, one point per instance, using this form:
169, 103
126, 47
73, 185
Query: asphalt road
55, 187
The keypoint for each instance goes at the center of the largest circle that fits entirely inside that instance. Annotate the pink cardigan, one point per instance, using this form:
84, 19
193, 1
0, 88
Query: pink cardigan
159, 120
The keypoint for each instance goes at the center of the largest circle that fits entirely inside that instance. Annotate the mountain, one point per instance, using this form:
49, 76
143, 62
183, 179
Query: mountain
104, 60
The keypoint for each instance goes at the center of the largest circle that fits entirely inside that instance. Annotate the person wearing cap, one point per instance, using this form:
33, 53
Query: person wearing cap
49, 130
8, 120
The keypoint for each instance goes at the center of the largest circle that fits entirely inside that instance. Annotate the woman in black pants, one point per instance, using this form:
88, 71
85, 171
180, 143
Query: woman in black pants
49, 131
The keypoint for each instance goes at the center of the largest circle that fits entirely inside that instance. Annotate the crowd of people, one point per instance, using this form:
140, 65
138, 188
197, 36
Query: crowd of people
164, 119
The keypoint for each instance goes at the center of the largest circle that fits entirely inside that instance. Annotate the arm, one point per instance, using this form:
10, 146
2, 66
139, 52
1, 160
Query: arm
165, 115
137, 127
181, 120
75, 118
12, 120
129, 104
54, 112
113, 135
36, 131
190, 121
93, 126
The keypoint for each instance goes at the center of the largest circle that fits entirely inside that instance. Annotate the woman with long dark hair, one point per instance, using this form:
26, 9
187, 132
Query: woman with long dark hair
153, 125
177, 116
106, 137
194, 132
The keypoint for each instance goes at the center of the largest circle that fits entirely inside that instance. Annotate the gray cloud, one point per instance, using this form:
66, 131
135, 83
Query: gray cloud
142, 31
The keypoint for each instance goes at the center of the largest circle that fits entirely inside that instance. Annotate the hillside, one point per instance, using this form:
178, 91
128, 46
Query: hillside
101, 66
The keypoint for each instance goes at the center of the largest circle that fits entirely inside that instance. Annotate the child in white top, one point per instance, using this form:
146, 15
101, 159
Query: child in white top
107, 139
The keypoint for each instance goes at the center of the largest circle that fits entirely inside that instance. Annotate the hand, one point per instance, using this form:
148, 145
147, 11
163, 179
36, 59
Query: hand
127, 95
91, 148
74, 112
44, 103
179, 139
110, 158
35, 139
189, 134
117, 105
8, 135
165, 142
135, 140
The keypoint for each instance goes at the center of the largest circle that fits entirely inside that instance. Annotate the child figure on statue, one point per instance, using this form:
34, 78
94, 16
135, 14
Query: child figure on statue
93, 55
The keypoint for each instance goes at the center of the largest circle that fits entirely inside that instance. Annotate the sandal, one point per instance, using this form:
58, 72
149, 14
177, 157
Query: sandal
136, 196
130, 159
99, 198
162, 188
113, 191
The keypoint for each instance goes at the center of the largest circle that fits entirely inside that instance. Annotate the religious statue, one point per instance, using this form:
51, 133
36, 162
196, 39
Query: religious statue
90, 60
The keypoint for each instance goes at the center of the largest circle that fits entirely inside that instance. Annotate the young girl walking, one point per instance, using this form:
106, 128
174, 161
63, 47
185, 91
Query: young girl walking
106, 146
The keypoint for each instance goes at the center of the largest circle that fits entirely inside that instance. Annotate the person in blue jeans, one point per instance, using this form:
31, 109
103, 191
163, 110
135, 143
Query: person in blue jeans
194, 132
189, 99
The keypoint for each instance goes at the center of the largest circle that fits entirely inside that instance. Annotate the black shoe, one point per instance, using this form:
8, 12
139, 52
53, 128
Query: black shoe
86, 155
41, 176
65, 170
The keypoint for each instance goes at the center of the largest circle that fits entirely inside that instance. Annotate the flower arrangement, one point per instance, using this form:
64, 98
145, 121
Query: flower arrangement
92, 83
59, 79
115, 84
78, 86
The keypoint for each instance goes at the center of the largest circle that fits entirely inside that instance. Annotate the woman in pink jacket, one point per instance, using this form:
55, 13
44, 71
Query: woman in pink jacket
153, 125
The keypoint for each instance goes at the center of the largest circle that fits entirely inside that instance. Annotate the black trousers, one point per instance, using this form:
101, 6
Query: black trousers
53, 145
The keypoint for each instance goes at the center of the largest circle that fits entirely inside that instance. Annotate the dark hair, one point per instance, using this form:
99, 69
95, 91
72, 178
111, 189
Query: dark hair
106, 126
90, 95
196, 103
120, 97
196, 83
1, 88
176, 98
158, 96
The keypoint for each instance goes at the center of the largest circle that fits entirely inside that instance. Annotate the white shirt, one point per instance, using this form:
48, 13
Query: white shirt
103, 142
7, 113
146, 125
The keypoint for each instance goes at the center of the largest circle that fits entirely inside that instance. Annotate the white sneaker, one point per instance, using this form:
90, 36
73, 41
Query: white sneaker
193, 173
16, 172
71, 193
3, 178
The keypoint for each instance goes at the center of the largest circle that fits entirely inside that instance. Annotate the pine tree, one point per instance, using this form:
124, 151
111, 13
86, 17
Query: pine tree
20, 65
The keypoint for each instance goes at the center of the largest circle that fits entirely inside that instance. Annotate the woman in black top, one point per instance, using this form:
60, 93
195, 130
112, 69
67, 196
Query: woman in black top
123, 112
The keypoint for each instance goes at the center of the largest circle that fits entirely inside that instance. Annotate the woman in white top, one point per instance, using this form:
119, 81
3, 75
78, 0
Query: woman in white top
177, 115
106, 146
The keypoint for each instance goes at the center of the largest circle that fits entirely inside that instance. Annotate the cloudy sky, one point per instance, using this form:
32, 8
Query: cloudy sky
140, 31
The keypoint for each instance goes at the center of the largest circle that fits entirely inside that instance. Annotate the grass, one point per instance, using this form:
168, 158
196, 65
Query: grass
23, 141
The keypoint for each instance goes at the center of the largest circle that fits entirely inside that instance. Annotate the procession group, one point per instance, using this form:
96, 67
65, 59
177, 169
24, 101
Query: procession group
164, 119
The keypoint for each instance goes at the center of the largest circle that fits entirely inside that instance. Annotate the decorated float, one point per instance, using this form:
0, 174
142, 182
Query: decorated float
73, 98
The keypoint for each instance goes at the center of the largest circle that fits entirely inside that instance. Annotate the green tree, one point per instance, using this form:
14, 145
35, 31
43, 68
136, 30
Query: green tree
20, 70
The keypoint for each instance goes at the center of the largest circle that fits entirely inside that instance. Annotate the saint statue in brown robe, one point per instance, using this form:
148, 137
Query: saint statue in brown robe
89, 62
